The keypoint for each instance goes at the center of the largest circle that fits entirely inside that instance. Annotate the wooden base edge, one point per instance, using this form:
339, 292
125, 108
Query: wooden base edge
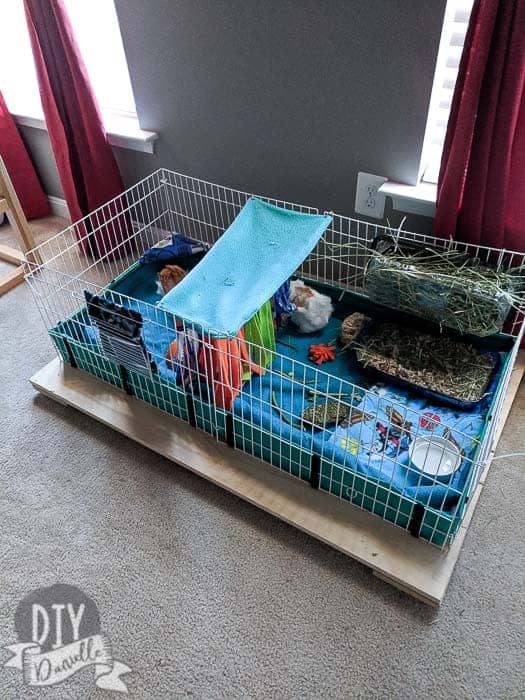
396, 557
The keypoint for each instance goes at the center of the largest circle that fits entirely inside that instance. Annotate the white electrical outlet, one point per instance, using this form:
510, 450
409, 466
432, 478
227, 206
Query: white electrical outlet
368, 200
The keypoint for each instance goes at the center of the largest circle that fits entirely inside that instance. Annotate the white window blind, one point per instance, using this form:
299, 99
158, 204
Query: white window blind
457, 15
98, 36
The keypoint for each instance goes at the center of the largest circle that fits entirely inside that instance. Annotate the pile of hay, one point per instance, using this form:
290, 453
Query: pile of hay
437, 363
445, 287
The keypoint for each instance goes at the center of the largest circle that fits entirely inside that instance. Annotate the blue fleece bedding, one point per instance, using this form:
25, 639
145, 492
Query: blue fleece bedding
374, 444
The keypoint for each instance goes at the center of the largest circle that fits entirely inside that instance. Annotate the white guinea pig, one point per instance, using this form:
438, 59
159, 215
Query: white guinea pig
313, 309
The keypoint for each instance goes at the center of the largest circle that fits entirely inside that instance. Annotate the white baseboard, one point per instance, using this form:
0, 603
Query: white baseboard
59, 207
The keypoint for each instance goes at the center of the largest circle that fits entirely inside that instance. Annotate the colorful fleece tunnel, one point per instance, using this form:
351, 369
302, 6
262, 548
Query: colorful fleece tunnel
225, 362
261, 332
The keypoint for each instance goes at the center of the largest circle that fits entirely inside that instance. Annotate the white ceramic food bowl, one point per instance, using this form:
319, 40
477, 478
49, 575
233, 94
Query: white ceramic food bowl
435, 456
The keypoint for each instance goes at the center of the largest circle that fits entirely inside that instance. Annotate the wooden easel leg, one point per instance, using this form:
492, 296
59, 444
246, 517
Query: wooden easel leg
10, 204
12, 279
16, 215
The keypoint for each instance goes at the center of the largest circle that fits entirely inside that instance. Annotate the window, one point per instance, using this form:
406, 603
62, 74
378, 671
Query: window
457, 15
98, 36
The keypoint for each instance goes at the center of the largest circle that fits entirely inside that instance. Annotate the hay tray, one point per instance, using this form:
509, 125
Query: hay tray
485, 347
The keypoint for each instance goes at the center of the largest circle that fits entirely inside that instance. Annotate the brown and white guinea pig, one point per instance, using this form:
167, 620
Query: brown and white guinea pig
313, 309
169, 277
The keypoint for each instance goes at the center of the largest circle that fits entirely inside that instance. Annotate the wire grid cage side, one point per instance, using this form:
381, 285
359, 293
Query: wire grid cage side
204, 210
144, 204
161, 204
265, 429
367, 483
128, 225
341, 257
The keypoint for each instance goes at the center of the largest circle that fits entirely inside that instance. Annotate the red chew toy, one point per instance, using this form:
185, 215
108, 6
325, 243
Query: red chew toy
321, 353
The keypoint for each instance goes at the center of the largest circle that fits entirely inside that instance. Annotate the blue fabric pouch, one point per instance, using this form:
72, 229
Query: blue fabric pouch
180, 247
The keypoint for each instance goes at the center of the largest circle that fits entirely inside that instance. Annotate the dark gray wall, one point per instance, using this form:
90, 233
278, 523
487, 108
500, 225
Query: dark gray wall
289, 98
37, 142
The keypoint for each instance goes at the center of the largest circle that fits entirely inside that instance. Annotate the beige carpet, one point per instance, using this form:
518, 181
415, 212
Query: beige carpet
203, 595
42, 229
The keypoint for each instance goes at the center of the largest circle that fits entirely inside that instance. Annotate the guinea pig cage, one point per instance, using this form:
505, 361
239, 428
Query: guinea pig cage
359, 408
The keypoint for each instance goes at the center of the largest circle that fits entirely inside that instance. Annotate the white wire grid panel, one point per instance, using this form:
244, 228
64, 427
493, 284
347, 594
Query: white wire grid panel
59, 271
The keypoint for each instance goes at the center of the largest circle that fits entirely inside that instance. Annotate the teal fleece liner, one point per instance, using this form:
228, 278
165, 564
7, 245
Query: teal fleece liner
261, 249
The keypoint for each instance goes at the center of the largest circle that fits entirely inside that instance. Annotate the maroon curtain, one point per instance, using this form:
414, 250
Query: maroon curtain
86, 165
481, 186
20, 168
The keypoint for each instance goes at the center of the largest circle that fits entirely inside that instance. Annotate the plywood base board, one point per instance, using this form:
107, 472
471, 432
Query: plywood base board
410, 564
